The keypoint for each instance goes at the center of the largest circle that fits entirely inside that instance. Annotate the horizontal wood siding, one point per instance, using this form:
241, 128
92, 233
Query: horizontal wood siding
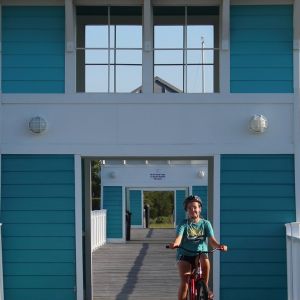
257, 199
261, 49
136, 206
38, 216
33, 40
201, 191
112, 202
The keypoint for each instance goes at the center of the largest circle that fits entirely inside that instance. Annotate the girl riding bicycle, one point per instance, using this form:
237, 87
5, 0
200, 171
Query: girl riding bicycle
191, 234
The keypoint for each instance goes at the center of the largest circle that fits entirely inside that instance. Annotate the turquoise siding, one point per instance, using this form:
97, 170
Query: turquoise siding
33, 57
135, 197
261, 49
257, 199
180, 212
112, 202
38, 216
201, 191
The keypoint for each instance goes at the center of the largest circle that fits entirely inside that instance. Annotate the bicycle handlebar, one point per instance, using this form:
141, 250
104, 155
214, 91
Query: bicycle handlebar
196, 252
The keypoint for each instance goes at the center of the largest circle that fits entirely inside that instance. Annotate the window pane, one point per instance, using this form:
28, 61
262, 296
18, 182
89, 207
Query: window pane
128, 78
96, 36
200, 57
196, 34
168, 36
96, 79
168, 79
96, 56
168, 57
200, 79
124, 32
129, 56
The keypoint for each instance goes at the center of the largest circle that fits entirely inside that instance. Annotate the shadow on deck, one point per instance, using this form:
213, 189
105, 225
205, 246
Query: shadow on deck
140, 269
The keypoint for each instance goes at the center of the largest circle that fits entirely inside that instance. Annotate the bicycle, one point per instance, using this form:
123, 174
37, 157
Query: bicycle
197, 288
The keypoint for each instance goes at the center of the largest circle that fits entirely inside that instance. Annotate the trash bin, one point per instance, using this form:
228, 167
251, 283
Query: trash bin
128, 224
147, 215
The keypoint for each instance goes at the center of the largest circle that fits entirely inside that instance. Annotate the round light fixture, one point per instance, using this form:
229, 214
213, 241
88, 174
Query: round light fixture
37, 125
258, 124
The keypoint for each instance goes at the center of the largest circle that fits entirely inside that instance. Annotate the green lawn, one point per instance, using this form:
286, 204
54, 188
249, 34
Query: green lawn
155, 225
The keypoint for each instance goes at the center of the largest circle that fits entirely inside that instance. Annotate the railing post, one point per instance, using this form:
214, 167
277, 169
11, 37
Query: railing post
1, 267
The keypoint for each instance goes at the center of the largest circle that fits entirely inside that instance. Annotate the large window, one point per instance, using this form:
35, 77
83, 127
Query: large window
109, 49
185, 49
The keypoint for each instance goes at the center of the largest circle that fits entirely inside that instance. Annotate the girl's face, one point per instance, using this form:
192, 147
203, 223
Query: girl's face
193, 210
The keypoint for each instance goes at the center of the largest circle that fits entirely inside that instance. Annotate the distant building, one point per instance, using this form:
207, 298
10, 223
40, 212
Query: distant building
160, 86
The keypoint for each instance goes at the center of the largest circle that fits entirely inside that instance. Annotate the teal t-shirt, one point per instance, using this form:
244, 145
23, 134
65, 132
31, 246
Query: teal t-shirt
194, 236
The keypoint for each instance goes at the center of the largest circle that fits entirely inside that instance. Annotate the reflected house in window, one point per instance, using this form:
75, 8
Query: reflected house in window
160, 86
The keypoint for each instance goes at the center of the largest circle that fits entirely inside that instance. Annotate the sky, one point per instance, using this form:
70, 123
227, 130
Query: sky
128, 78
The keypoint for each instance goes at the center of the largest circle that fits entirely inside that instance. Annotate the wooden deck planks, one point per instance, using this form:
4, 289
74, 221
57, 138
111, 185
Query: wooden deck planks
140, 269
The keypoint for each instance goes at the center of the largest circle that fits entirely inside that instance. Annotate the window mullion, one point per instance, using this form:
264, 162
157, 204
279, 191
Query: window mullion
185, 52
108, 49
115, 59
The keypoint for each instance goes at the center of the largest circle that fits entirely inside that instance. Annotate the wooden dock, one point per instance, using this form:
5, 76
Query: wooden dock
140, 269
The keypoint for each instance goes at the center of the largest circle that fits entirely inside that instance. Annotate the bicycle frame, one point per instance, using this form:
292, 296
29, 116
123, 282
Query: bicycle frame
197, 288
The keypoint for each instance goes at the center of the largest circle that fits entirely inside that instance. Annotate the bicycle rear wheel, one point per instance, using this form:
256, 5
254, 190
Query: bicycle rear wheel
202, 291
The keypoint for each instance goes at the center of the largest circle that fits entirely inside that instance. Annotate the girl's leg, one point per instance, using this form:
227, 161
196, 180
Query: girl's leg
205, 265
184, 269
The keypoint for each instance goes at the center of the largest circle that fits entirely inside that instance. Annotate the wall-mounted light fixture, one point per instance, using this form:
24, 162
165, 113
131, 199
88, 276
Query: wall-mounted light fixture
201, 174
258, 124
37, 125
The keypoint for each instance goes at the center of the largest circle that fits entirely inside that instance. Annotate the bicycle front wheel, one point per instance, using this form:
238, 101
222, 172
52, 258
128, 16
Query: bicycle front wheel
202, 291
191, 290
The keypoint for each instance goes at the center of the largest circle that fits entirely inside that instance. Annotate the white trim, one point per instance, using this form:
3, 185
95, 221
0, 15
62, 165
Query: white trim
185, 2
1, 65
166, 98
115, 241
216, 223
296, 59
70, 53
78, 226
109, 2
33, 2
147, 68
1, 264
124, 213
1, 267
261, 2
224, 69
296, 46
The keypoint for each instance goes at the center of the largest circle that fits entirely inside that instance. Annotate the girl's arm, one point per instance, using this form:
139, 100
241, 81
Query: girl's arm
215, 244
176, 242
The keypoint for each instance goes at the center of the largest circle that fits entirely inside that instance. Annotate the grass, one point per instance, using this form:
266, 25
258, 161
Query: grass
156, 225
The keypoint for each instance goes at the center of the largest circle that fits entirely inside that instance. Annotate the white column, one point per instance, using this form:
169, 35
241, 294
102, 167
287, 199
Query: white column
216, 222
224, 70
1, 46
70, 47
78, 227
1, 267
147, 80
296, 59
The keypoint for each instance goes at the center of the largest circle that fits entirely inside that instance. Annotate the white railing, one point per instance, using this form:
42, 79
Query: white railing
98, 228
1, 268
293, 259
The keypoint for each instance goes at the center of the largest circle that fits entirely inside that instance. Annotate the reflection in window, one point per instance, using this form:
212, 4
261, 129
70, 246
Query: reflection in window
185, 49
109, 49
